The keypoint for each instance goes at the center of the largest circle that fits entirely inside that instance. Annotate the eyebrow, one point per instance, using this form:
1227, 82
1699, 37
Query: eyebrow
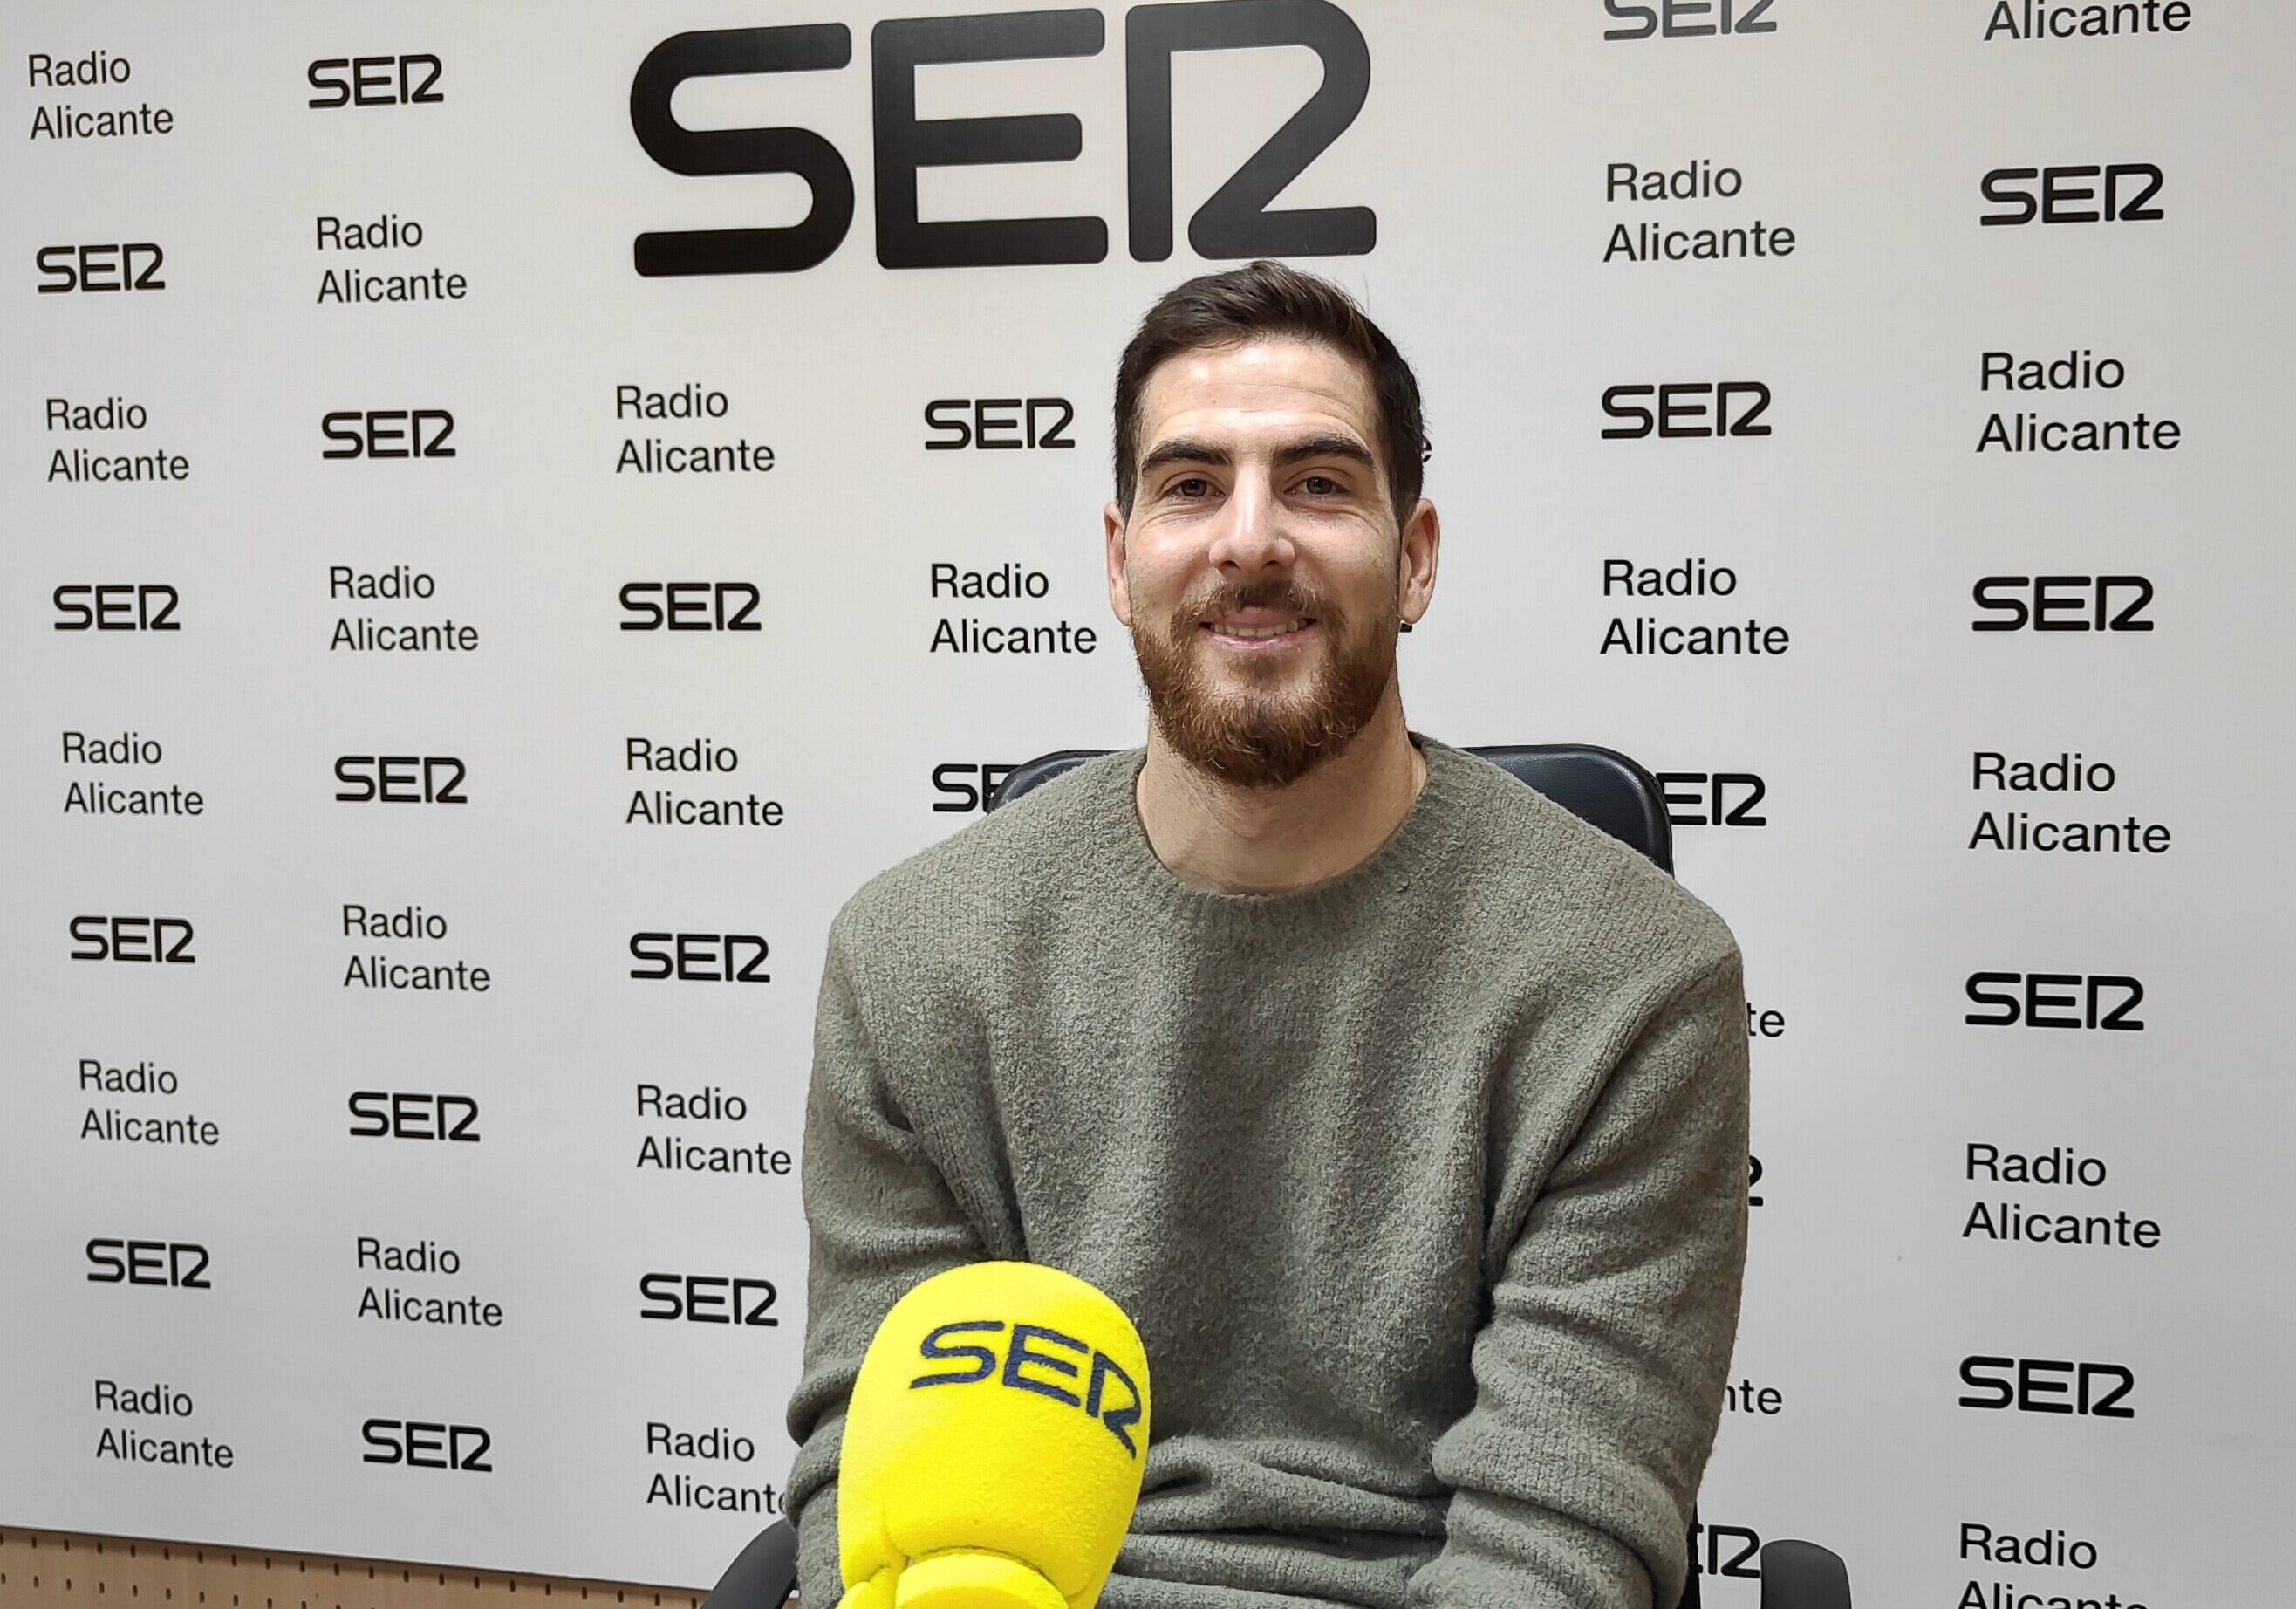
1184, 449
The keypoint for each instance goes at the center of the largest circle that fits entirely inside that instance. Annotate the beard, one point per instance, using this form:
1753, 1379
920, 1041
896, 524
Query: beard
1261, 735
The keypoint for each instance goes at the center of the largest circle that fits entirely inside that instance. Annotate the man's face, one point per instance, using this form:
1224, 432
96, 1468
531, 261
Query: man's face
1260, 568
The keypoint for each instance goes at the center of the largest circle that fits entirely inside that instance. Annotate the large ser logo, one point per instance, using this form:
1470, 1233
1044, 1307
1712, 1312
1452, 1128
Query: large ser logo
1236, 222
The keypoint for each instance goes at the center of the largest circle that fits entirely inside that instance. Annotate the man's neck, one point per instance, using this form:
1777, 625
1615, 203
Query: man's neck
1229, 840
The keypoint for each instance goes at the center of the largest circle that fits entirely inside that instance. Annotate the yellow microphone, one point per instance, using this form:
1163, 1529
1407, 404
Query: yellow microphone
994, 1445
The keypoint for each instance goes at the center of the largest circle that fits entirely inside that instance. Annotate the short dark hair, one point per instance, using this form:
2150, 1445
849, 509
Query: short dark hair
1263, 299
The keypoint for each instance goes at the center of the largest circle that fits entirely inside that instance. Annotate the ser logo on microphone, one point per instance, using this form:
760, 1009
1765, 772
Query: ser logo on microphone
1117, 1413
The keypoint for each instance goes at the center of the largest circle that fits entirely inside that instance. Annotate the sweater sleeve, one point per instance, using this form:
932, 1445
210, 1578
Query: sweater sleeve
880, 1218
1599, 1371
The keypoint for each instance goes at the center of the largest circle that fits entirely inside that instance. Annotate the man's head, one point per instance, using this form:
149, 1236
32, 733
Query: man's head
1268, 536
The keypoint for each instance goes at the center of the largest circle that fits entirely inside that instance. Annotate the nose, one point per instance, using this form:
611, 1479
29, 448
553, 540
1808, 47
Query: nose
1250, 537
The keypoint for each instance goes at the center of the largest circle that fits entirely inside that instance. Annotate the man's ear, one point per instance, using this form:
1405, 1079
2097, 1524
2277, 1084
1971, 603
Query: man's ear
1119, 596
1416, 561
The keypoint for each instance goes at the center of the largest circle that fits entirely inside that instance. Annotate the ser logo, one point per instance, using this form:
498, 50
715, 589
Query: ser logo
1689, 18
1713, 799
690, 606
163, 939
400, 779
134, 266
1236, 222
406, 1114
967, 787
387, 433
994, 423
2048, 1385
699, 958
1681, 409
118, 606
707, 1299
408, 80
1107, 1394
2102, 1001
428, 1444
2072, 196
1726, 1550
181, 1264
2062, 604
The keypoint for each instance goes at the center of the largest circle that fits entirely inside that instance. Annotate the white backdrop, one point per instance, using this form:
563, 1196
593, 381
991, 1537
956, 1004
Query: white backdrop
2143, 1425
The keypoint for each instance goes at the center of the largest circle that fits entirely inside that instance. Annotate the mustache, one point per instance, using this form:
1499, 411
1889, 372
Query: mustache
1264, 592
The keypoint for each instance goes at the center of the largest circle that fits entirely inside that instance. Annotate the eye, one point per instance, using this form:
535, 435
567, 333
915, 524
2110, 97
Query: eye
1190, 486
1321, 486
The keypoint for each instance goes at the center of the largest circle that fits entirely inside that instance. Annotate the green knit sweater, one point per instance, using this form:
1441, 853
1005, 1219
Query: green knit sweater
1426, 1185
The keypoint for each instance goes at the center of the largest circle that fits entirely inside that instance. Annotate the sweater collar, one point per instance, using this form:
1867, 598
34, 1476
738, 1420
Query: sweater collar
1419, 843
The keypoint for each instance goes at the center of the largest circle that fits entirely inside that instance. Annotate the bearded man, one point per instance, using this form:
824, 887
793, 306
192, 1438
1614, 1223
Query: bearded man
1404, 1113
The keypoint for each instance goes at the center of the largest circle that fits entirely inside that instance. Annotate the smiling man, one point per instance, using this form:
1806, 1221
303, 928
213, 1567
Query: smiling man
1404, 1113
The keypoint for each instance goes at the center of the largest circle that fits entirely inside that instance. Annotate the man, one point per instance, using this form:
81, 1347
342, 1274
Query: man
1404, 1113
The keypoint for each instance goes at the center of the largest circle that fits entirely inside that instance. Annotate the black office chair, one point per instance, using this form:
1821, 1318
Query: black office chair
1597, 785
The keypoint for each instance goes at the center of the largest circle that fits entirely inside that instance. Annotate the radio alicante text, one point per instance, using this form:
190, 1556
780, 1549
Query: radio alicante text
79, 466
110, 1123
378, 970
363, 633
966, 635
133, 1447
142, 1079
423, 1257
65, 122
2023, 20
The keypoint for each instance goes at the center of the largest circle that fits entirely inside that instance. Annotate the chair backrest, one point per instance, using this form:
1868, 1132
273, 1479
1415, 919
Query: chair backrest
1601, 786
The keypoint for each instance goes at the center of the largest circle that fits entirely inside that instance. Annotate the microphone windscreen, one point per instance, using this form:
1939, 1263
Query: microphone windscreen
994, 1444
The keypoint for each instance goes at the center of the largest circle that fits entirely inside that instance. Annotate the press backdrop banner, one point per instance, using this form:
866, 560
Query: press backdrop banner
515, 511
